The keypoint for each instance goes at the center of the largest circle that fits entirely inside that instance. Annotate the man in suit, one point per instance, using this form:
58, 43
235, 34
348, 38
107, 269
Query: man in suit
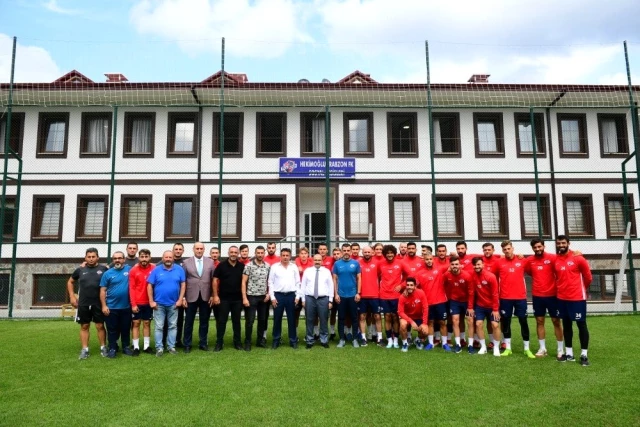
199, 272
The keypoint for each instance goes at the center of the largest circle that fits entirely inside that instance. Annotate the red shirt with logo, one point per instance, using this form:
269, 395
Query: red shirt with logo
411, 266
369, 278
138, 284
414, 307
457, 285
244, 261
573, 277
328, 262
484, 291
390, 278
492, 263
541, 270
271, 259
511, 275
431, 281
441, 262
465, 262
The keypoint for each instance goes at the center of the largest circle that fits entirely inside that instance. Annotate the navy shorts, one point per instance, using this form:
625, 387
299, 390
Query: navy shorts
369, 305
482, 313
145, 312
89, 313
511, 307
574, 310
418, 322
457, 308
389, 306
438, 311
543, 305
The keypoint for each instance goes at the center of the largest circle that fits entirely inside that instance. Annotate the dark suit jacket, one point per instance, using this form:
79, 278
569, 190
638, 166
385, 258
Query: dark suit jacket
198, 285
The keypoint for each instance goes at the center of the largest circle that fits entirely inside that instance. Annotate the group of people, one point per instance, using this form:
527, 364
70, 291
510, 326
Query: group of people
428, 293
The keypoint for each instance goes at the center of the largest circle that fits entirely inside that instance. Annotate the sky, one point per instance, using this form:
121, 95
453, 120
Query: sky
524, 41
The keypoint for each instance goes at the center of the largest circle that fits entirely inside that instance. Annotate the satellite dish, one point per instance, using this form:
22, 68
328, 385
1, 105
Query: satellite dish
303, 81
326, 81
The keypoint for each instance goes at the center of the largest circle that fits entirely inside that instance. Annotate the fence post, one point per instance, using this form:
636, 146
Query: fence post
113, 180
434, 207
221, 148
7, 140
536, 178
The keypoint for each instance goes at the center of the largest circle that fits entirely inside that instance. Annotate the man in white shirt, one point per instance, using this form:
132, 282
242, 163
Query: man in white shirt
316, 293
284, 287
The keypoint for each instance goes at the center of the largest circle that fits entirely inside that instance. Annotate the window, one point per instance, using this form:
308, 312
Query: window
529, 215
489, 135
4, 289
359, 213
139, 134
135, 218
180, 217
578, 215
91, 218
95, 139
270, 217
402, 134
51, 289
404, 216
233, 133
614, 208
231, 212
272, 134
572, 133
492, 216
605, 284
9, 219
312, 134
17, 132
182, 134
446, 134
524, 139
613, 135
449, 215
358, 134
47, 218
53, 133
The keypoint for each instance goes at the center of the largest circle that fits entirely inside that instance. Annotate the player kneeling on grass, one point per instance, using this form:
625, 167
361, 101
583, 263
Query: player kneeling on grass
413, 311
485, 294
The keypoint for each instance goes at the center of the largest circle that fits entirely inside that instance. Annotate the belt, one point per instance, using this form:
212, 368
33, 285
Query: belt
319, 296
285, 293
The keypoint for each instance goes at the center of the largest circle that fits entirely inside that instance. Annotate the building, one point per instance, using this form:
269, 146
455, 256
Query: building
159, 144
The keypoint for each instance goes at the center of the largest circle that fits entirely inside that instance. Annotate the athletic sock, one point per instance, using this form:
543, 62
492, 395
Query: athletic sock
136, 343
395, 340
526, 345
496, 344
560, 346
379, 335
147, 342
543, 344
430, 338
463, 335
471, 342
364, 336
491, 338
86, 349
507, 341
101, 347
404, 342
569, 351
437, 335
264, 335
584, 352
483, 345
444, 340
346, 330
457, 341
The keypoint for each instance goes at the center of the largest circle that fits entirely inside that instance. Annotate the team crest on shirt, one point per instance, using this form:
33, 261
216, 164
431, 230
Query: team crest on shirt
351, 266
546, 261
126, 273
518, 264
99, 272
417, 301
395, 267
570, 263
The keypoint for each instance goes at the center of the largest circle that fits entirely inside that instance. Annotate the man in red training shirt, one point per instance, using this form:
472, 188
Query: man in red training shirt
139, 298
431, 282
484, 302
391, 285
573, 277
369, 294
413, 311
271, 257
457, 283
412, 264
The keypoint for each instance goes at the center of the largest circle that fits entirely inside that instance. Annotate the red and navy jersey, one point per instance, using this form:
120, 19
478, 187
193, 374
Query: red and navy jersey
411, 266
390, 278
484, 291
431, 281
573, 277
369, 278
457, 286
542, 271
492, 263
414, 307
511, 275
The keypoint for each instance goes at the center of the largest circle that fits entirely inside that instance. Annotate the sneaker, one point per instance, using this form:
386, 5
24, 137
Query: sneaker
428, 347
380, 343
471, 350
159, 352
390, 344
584, 361
355, 344
148, 350
446, 347
396, 344
341, 344
507, 352
127, 351
529, 354
173, 351
561, 357
463, 343
349, 337
541, 353
112, 353
136, 352
420, 345
570, 358
457, 349
104, 352
482, 351
84, 354
496, 353
363, 343
405, 348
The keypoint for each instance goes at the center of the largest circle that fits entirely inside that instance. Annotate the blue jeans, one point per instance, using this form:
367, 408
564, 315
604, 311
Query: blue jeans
316, 307
286, 302
161, 313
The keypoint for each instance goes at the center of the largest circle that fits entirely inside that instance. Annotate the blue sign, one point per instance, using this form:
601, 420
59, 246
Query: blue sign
315, 167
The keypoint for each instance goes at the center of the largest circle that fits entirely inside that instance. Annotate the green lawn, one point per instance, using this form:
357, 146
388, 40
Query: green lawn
43, 383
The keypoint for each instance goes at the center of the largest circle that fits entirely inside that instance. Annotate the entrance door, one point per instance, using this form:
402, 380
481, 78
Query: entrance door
315, 230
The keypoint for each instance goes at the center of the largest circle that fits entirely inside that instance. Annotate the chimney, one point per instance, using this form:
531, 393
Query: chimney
479, 78
115, 78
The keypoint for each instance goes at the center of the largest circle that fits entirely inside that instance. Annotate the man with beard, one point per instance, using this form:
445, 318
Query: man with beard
457, 283
178, 250
347, 285
255, 298
431, 282
411, 263
132, 250
327, 262
198, 271
139, 297
271, 257
227, 295
369, 304
402, 251
413, 311
114, 296
391, 286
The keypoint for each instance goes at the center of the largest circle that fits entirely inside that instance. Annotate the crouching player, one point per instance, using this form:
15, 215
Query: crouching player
413, 311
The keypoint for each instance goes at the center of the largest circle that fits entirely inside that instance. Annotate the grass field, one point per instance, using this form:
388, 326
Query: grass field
43, 383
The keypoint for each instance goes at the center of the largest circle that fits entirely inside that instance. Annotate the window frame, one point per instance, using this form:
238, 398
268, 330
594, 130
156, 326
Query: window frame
36, 219
538, 122
173, 117
305, 118
17, 122
498, 122
415, 199
9, 238
129, 117
456, 120
168, 216
86, 117
371, 200
282, 198
583, 135
215, 147
81, 218
63, 278
545, 202
504, 216
283, 117
215, 212
457, 200
44, 120
587, 200
622, 133
609, 196
358, 115
124, 220
413, 118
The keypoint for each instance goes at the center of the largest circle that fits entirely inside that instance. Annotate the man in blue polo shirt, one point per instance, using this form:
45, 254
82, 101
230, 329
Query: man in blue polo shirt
346, 279
114, 297
166, 285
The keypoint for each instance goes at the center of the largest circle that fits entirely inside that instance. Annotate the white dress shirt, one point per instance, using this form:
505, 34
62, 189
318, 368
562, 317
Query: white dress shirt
283, 279
325, 283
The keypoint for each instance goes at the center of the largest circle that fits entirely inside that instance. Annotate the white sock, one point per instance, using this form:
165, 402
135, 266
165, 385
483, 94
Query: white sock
507, 341
569, 351
437, 335
86, 349
543, 344
450, 336
483, 345
404, 342
491, 337
526, 345
471, 342
379, 336
496, 345
395, 340
147, 342
430, 338
444, 340
583, 353
560, 346
332, 329
457, 341
101, 347
390, 340
463, 335
364, 336
136, 343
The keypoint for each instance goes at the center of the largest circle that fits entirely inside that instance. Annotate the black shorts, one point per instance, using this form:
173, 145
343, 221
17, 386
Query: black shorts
145, 312
89, 313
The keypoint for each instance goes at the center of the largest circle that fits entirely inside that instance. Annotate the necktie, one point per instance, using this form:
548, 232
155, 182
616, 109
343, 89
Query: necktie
315, 285
200, 267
